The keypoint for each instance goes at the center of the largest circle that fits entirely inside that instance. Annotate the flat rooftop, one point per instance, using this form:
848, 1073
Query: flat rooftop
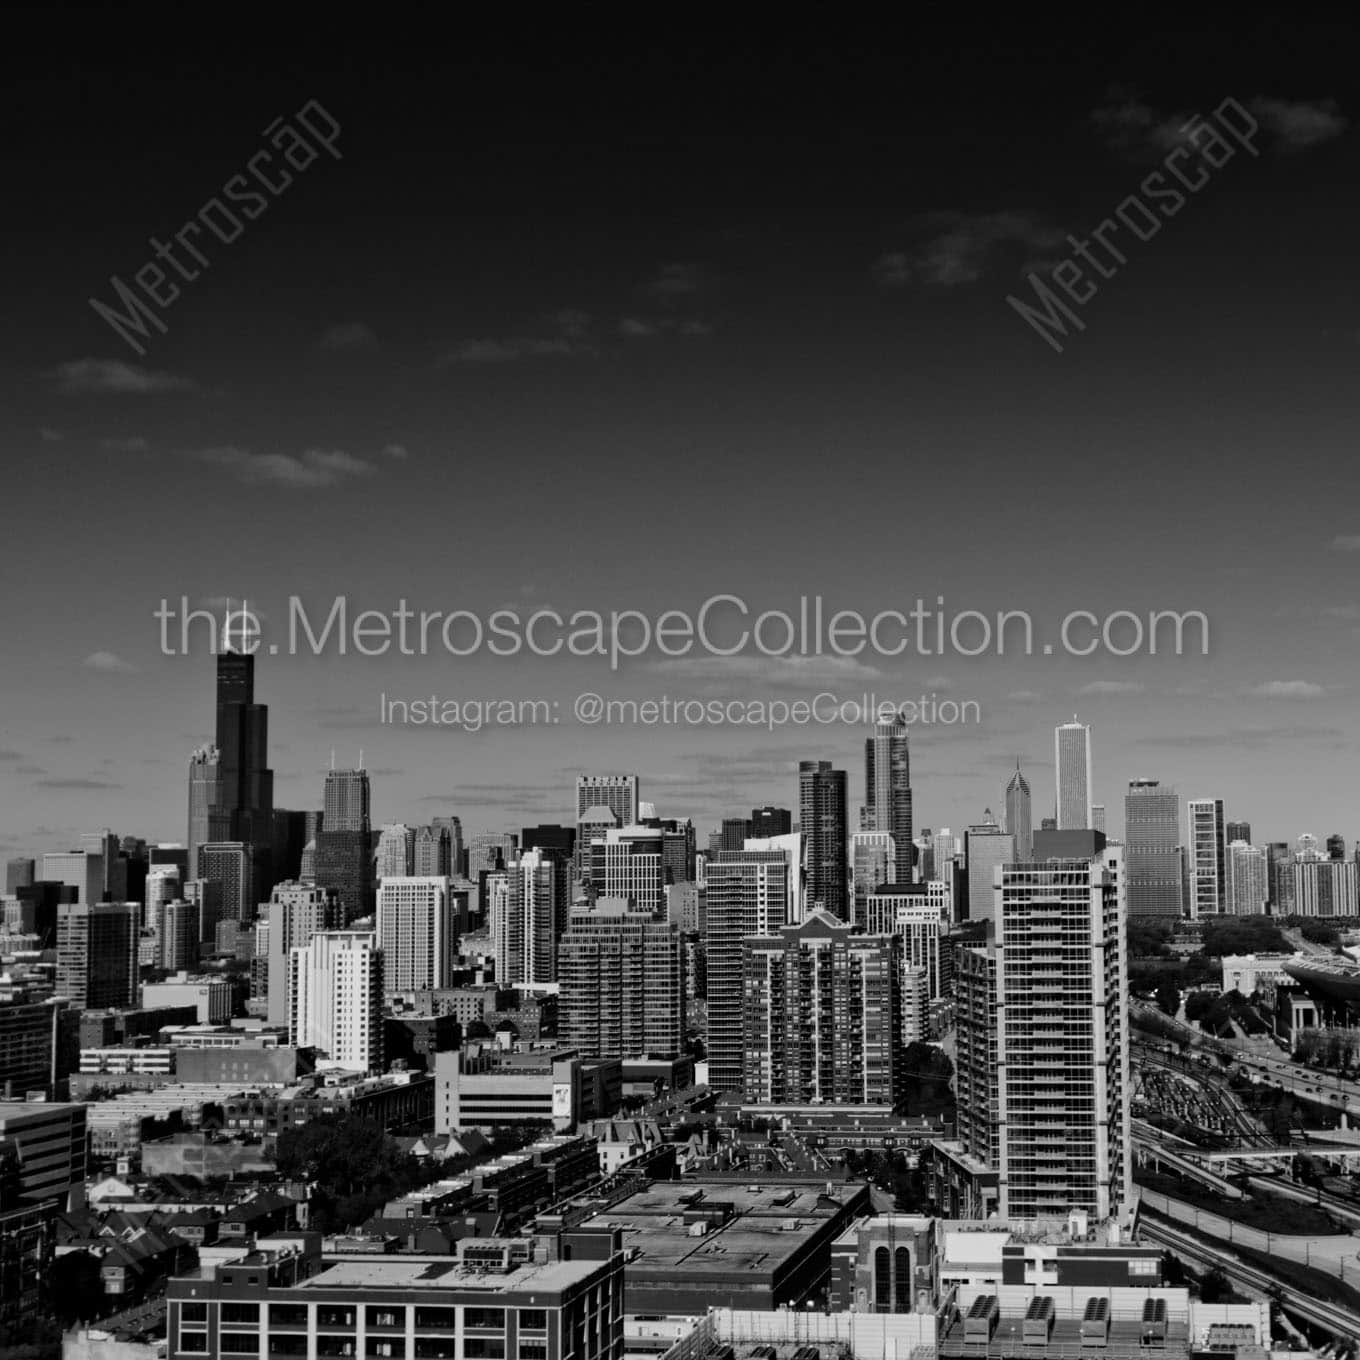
768, 1223
447, 1272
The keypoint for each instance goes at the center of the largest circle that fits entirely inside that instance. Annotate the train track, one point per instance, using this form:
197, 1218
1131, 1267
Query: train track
1340, 1322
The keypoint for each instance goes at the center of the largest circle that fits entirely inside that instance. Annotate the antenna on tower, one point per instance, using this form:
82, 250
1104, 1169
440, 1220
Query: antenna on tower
332, 757
361, 757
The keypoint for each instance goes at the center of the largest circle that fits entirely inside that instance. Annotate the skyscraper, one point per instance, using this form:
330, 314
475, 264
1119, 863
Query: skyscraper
296, 912
396, 852
1236, 831
415, 933
1019, 816
627, 862
622, 978
771, 821
1205, 847
615, 793
985, 846
1044, 1043
19, 873
527, 905
1072, 761
97, 953
245, 783
887, 790
823, 824
747, 894
873, 862
335, 997
231, 865
343, 859
1248, 886
822, 1015
433, 853
1152, 851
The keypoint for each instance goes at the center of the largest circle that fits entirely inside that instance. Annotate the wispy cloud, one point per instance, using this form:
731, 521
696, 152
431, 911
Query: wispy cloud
108, 661
1096, 687
959, 248
134, 443
1296, 125
49, 436
1287, 689
1131, 126
348, 335
76, 784
311, 468
1024, 696
397, 451
1346, 543
680, 278
114, 375
565, 334
644, 328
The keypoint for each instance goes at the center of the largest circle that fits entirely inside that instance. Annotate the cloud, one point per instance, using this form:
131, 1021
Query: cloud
1346, 543
1252, 738
1111, 687
565, 334
8, 757
125, 444
1287, 689
938, 682
1132, 127
958, 248
114, 375
312, 468
1024, 696
108, 661
48, 435
73, 784
784, 671
397, 451
1298, 124
679, 279
643, 328
348, 335
1347, 613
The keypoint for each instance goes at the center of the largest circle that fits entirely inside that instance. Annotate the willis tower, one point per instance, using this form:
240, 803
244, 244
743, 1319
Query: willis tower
231, 793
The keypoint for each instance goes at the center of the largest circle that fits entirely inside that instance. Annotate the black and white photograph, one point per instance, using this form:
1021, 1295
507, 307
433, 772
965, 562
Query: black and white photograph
679, 691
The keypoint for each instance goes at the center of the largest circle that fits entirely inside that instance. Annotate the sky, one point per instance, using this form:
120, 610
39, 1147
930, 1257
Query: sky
613, 327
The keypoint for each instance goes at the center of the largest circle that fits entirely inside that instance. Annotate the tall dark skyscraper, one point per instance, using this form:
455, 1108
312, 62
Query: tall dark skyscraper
1152, 851
770, 821
1019, 817
887, 790
343, 858
1237, 831
231, 787
822, 820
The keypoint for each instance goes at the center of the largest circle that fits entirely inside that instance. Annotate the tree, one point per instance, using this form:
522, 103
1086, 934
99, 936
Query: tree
1214, 1287
1169, 998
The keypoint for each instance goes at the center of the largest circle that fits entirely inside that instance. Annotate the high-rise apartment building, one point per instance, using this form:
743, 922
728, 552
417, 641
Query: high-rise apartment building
1237, 831
824, 827
231, 865
432, 853
747, 893
178, 945
1205, 851
616, 794
822, 1013
1020, 815
19, 873
622, 983
343, 856
1044, 1041
1152, 851
335, 996
416, 933
97, 953
919, 914
1072, 761
296, 912
1248, 886
887, 791
527, 906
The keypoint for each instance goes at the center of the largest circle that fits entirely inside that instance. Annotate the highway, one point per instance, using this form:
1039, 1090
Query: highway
1342, 1323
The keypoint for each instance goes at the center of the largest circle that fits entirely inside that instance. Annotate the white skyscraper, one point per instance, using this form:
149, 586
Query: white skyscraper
1072, 761
416, 933
335, 998
1248, 886
527, 907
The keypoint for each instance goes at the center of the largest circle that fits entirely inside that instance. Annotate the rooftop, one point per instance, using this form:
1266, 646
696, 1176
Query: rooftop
448, 1272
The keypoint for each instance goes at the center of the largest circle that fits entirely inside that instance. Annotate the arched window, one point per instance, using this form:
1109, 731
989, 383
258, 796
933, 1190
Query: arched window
882, 1281
902, 1281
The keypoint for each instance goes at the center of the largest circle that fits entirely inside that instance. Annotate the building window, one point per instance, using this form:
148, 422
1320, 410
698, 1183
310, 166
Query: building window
287, 1314
483, 1348
239, 1343
533, 1319
241, 1312
491, 1319
443, 1319
882, 1281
